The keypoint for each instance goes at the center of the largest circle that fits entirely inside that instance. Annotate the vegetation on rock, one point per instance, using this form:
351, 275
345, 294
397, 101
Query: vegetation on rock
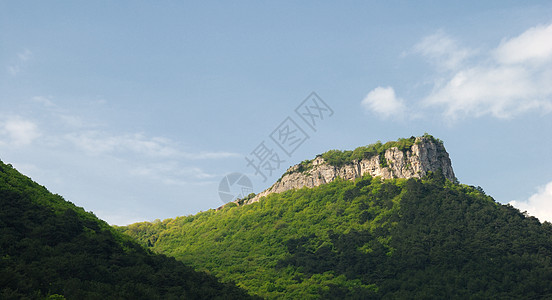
339, 158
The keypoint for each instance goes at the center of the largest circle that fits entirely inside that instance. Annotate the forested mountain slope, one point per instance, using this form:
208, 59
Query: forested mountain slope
49, 248
369, 238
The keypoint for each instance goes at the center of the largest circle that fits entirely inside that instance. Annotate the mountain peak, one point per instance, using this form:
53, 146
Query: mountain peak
405, 158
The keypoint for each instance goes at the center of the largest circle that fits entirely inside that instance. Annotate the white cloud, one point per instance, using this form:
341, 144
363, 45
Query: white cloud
43, 100
539, 204
503, 83
14, 70
18, 132
210, 155
171, 173
25, 55
534, 45
22, 58
158, 158
98, 143
511, 79
442, 50
502, 91
153, 159
384, 102
72, 121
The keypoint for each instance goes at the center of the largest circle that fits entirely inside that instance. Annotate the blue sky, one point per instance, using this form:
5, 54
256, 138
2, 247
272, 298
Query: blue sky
137, 110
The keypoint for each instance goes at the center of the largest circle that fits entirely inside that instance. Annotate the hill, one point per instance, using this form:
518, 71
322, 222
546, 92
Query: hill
50, 248
367, 238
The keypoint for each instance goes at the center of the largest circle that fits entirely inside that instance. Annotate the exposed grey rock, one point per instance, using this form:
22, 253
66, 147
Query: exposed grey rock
424, 156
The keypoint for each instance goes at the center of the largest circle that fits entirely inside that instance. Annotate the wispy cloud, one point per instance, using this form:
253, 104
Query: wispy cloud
511, 79
25, 55
14, 70
210, 155
153, 158
97, 142
22, 58
443, 51
532, 46
66, 133
539, 204
499, 91
384, 102
172, 173
92, 138
43, 100
16, 131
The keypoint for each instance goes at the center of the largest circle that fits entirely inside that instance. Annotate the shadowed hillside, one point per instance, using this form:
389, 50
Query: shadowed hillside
51, 248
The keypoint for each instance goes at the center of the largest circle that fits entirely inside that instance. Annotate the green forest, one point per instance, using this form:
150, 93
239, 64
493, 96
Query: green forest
370, 238
366, 239
52, 249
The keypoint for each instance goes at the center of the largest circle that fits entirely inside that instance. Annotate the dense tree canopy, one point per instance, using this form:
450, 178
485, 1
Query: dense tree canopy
49, 248
367, 239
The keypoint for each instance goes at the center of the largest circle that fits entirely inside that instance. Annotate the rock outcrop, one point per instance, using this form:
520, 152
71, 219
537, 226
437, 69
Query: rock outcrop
425, 155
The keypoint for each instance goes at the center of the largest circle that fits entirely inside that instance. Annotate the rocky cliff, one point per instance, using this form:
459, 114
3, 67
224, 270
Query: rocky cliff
423, 155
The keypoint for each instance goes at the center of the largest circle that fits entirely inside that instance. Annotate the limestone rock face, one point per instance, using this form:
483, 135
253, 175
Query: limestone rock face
424, 156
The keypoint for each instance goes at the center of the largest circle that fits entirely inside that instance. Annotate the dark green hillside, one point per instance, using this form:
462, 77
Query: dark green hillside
367, 239
51, 248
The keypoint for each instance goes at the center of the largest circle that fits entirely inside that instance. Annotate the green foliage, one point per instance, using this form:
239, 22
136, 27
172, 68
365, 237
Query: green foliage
383, 160
51, 249
339, 158
303, 167
241, 201
432, 139
368, 239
